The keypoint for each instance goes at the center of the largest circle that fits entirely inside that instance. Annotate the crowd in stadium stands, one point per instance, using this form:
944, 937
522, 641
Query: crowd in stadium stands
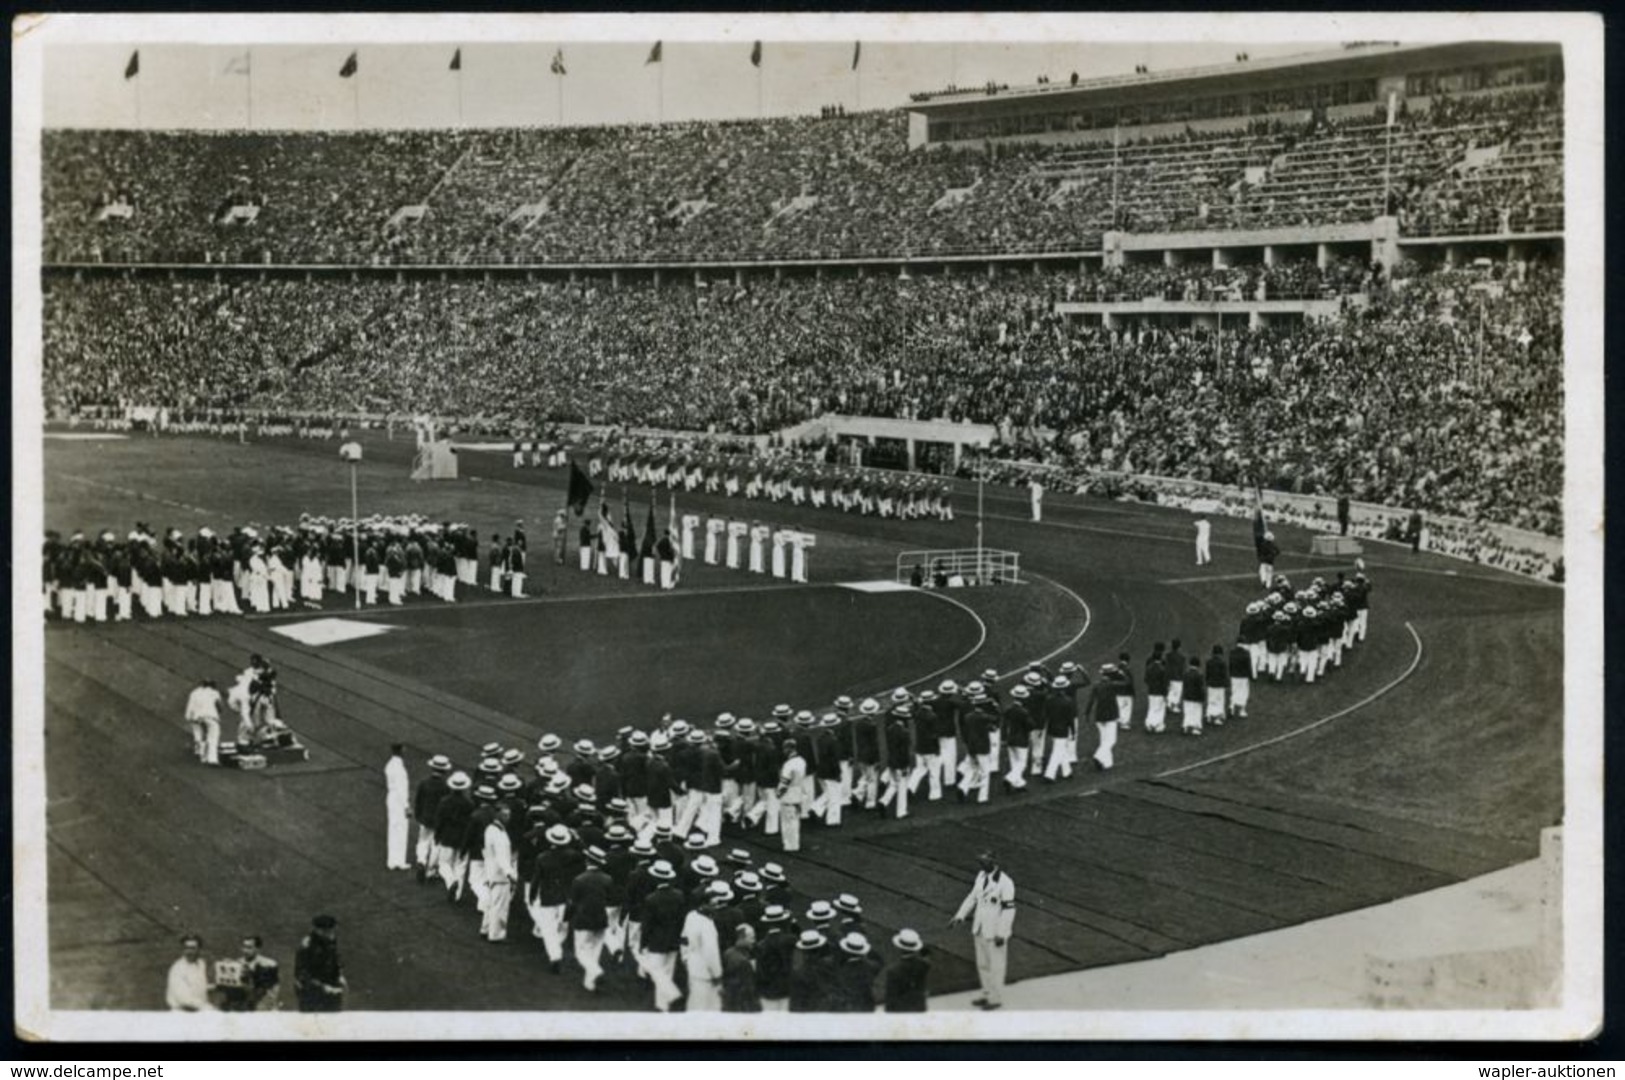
1444, 391
1301, 280
803, 187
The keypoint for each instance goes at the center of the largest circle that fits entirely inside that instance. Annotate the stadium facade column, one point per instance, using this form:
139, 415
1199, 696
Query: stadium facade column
1323, 256
1269, 254
615, 279
909, 442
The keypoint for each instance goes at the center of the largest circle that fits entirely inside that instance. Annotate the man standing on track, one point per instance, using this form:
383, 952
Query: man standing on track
396, 811
1038, 498
203, 714
991, 905
1204, 535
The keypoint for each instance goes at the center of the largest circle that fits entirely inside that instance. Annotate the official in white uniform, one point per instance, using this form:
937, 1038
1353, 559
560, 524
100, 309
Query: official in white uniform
1038, 499
397, 809
501, 868
1204, 534
203, 713
991, 906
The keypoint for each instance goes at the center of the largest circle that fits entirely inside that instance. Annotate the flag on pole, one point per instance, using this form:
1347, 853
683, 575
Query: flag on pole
857, 51
676, 539
558, 63
133, 68
610, 538
756, 54
349, 67
629, 533
654, 55
580, 490
457, 60
648, 551
239, 64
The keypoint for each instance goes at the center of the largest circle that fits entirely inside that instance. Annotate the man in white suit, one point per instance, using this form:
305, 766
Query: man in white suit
991, 906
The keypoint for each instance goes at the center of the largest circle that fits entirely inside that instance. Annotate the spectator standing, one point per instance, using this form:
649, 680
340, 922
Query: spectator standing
203, 714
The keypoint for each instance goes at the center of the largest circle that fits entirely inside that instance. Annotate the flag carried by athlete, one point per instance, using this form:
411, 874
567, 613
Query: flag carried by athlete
580, 490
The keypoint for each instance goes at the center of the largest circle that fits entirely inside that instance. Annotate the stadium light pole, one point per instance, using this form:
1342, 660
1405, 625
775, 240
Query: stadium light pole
351, 452
981, 480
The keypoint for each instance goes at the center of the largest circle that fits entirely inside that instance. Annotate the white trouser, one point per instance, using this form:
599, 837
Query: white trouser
499, 898
1035, 751
1215, 704
1240, 690
1156, 713
516, 584
833, 801
208, 739
477, 882
1108, 742
1125, 710
425, 846
662, 970
709, 817
1060, 762
1193, 717
395, 851
589, 946
990, 966
550, 928
1016, 777
789, 831
947, 763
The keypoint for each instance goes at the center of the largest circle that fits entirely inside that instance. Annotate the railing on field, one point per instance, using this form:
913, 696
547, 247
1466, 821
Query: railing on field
956, 567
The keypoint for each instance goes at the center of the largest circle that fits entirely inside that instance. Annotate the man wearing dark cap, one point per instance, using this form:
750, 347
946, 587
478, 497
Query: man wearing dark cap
318, 977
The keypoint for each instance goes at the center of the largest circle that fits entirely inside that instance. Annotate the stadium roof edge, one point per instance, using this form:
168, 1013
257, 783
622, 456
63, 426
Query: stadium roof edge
1367, 59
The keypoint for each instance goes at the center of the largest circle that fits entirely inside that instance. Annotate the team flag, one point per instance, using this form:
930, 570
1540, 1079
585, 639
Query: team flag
756, 54
629, 532
648, 551
457, 60
349, 67
580, 490
654, 55
133, 68
857, 51
558, 63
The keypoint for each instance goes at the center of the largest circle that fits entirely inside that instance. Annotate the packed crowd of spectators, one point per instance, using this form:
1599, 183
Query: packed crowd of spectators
1444, 392
832, 185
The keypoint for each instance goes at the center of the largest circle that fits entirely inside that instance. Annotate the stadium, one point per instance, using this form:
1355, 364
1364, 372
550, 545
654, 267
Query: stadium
925, 438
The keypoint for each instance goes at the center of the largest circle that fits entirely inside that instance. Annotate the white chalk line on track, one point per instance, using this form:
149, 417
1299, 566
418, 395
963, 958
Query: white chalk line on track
1305, 729
139, 496
1252, 576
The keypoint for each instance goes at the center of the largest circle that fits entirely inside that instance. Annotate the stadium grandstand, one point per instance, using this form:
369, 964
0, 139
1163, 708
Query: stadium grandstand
1111, 272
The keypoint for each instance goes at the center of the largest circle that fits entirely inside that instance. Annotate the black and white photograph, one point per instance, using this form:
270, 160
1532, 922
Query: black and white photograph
1045, 527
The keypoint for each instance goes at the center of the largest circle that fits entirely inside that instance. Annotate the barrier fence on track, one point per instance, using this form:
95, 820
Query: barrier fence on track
955, 567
